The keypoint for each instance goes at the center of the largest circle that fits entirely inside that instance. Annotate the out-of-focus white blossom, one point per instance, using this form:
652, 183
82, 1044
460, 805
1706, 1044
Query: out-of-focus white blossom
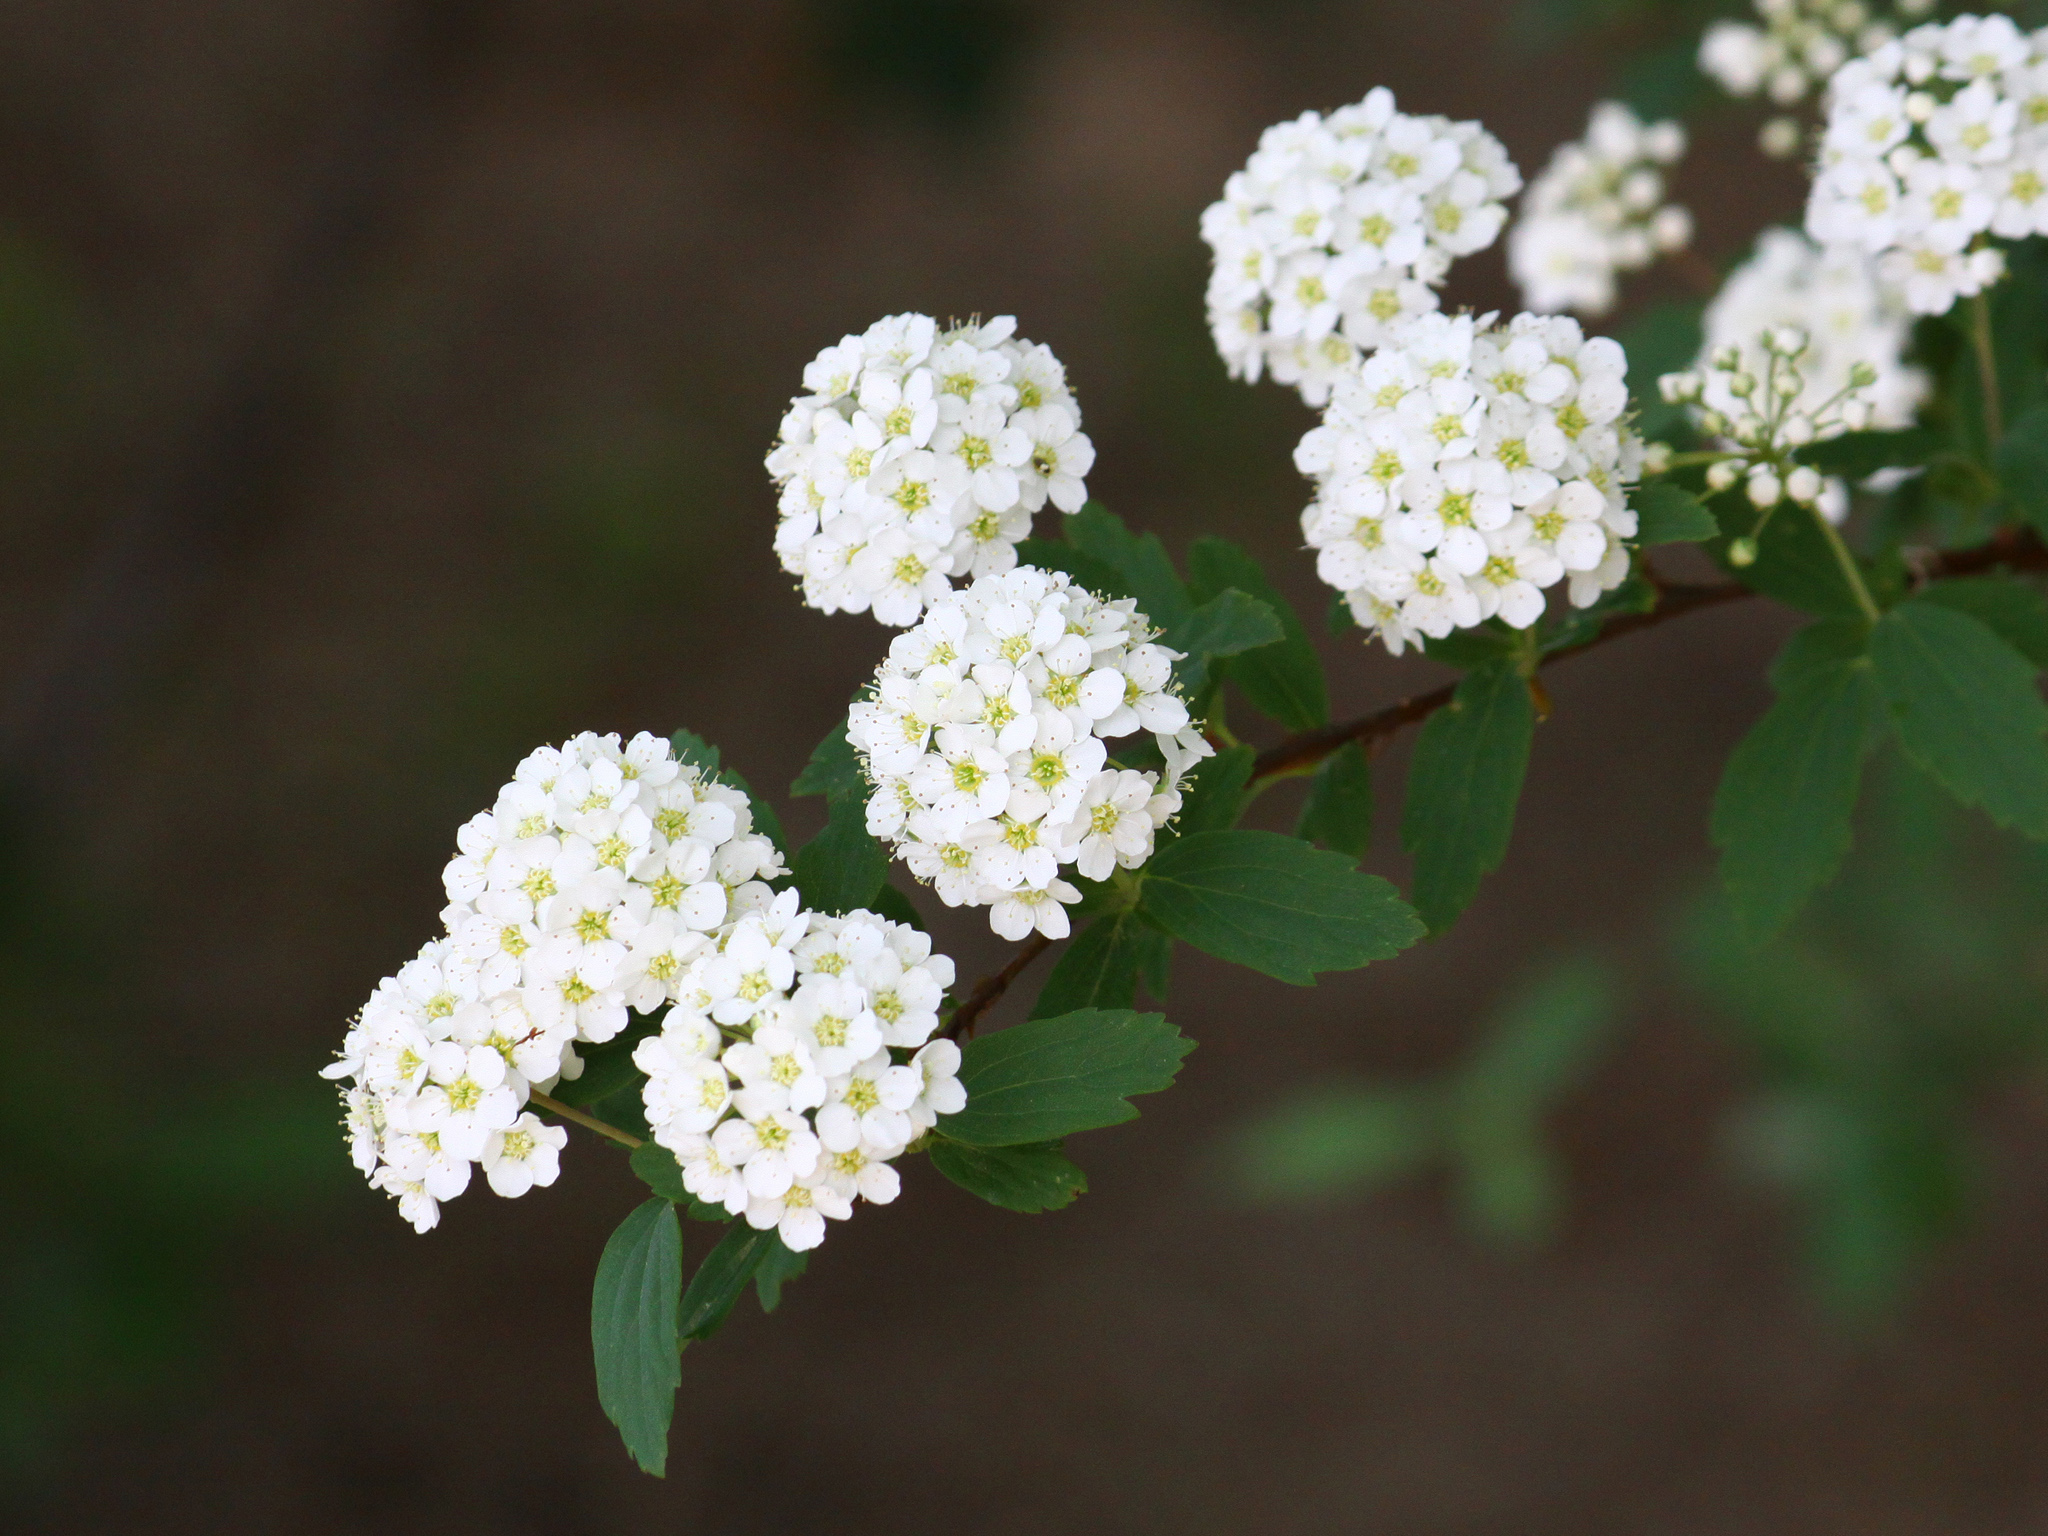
1800, 44
1935, 142
1338, 228
919, 454
1468, 466
985, 738
1597, 210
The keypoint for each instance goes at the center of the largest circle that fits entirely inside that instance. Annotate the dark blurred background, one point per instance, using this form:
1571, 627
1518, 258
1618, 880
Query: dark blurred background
383, 389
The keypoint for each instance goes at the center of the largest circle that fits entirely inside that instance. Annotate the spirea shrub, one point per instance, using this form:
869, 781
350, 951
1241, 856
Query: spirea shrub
1071, 723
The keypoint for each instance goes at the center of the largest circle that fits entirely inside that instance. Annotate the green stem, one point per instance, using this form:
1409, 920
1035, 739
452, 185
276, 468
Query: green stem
1987, 370
1847, 562
588, 1122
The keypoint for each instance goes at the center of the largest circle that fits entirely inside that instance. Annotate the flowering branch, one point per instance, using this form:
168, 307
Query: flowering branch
2020, 548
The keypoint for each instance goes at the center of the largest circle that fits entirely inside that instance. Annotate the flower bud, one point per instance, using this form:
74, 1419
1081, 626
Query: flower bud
1862, 376
1766, 490
1723, 473
1857, 414
1779, 138
1797, 431
1671, 229
1656, 458
1742, 552
1803, 485
1920, 106
1742, 385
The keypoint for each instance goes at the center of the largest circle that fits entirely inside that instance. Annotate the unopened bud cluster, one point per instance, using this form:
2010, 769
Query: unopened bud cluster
1468, 466
985, 740
1597, 210
1800, 44
920, 454
1935, 142
1768, 424
1340, 227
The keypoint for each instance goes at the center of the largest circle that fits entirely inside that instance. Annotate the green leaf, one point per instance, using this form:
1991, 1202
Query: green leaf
842, 868
1859, 455
1338, 812
1275, 904
891, 903
721, 1277
1101, 966
2011, 610
1819, 648
1139, 558
777, 1268
1336, 1140
1541, 1041
1469, 648
1665, 340
766, 821
607, 1068
1337, 617
1463, 784
1670, 514
1784, 809
834, 768
1030, 1178
1049, 1078
1508, 1186
1214, 792
1228, 623
1576, 626
2022, 462
657, 1168
1284, 680
695, 751
1966, 710
633, 1330
1098, 576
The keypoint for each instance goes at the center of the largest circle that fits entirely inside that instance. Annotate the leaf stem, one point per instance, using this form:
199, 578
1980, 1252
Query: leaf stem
1847, 562
588, 1122
1982, 342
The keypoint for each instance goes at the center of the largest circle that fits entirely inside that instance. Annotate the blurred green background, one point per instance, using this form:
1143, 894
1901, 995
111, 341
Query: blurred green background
383, 388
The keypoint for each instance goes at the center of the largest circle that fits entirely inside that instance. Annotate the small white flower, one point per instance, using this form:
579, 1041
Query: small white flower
523, 1156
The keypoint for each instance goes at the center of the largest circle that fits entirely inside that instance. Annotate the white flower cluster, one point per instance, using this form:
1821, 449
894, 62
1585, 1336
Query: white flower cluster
1597, 210
1340, 227
919, 454
1774, 414
1933, 142
784, 1079
984, 740
1800, 44
1851, 318
1466, 467
587, 890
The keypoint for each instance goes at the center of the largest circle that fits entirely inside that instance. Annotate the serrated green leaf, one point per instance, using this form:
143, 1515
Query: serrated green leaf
843, 867
2022, 462
1337, 1140
1048, 1078
1784, 808
1966, 710
1859, 455
1213, 795
1670, 514
633, 1330
1819, 647
1230, 622
2011, 610
1338, 812
777, 1268
1102, 965
1098, 576
1275, 904
1283, 680
833, 769
1463, 785
1030, 1178
721, 1277
1140, 559
695, 751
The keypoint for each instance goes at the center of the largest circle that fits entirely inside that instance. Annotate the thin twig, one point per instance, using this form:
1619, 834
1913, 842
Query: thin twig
588, 1122
991, 987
